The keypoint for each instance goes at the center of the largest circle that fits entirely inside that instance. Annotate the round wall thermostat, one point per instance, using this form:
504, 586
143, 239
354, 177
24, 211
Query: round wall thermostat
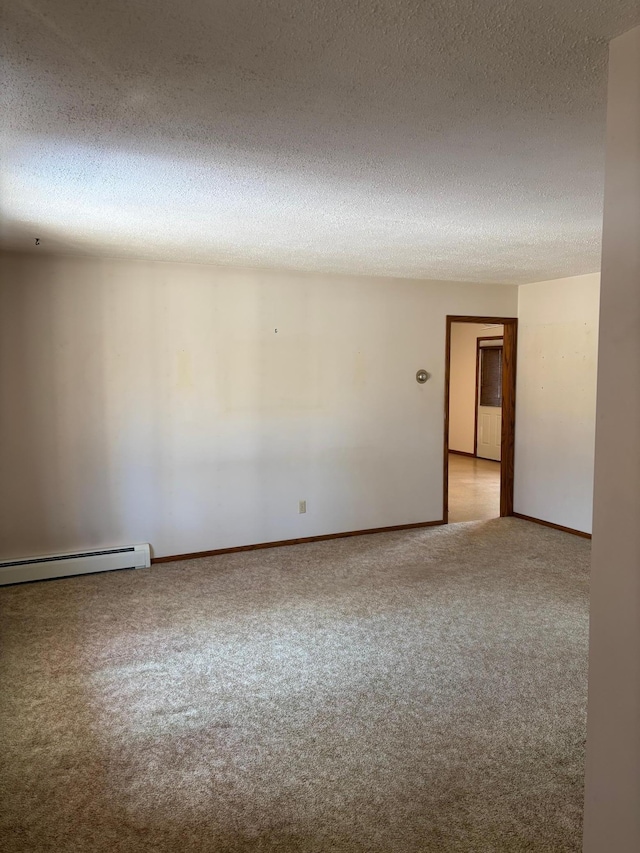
422, 376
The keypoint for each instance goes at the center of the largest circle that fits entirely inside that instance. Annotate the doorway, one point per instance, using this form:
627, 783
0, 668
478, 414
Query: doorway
480, 377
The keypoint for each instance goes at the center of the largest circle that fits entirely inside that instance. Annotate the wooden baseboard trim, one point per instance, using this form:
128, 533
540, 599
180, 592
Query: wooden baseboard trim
551, 524
302, 541
462, 453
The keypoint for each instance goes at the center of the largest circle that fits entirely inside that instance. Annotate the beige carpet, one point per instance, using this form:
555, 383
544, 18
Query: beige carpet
410, 691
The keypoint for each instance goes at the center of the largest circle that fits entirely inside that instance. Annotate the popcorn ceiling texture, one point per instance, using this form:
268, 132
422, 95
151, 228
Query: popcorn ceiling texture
440, 140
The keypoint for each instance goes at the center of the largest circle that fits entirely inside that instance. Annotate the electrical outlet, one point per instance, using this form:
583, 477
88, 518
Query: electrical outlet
302, 506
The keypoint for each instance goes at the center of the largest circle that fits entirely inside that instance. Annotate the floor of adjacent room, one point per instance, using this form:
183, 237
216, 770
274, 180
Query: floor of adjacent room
474, 488
411, 691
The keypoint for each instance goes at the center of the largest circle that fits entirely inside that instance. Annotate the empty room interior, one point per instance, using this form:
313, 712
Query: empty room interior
320, 426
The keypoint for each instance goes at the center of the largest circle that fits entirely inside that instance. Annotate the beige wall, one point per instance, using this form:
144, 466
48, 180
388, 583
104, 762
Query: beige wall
556, 400
462, 388
155, 402
612, 805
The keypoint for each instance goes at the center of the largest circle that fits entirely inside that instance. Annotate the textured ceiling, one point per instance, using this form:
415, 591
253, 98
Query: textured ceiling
452, 140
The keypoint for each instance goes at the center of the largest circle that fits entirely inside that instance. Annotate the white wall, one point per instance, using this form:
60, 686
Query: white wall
155, 402
612, 804
462, 383
556, 400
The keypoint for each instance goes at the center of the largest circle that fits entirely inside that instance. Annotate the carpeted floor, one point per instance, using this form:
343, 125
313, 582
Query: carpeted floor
410, 691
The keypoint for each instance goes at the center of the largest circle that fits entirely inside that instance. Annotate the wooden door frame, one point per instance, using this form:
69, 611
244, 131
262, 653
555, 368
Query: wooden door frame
507, 444
478, 348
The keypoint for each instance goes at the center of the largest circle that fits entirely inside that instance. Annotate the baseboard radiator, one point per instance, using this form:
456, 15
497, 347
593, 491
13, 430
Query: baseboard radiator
77, 563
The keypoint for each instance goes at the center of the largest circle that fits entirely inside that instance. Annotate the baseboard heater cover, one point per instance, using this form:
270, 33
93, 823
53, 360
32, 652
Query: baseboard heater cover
75, 563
